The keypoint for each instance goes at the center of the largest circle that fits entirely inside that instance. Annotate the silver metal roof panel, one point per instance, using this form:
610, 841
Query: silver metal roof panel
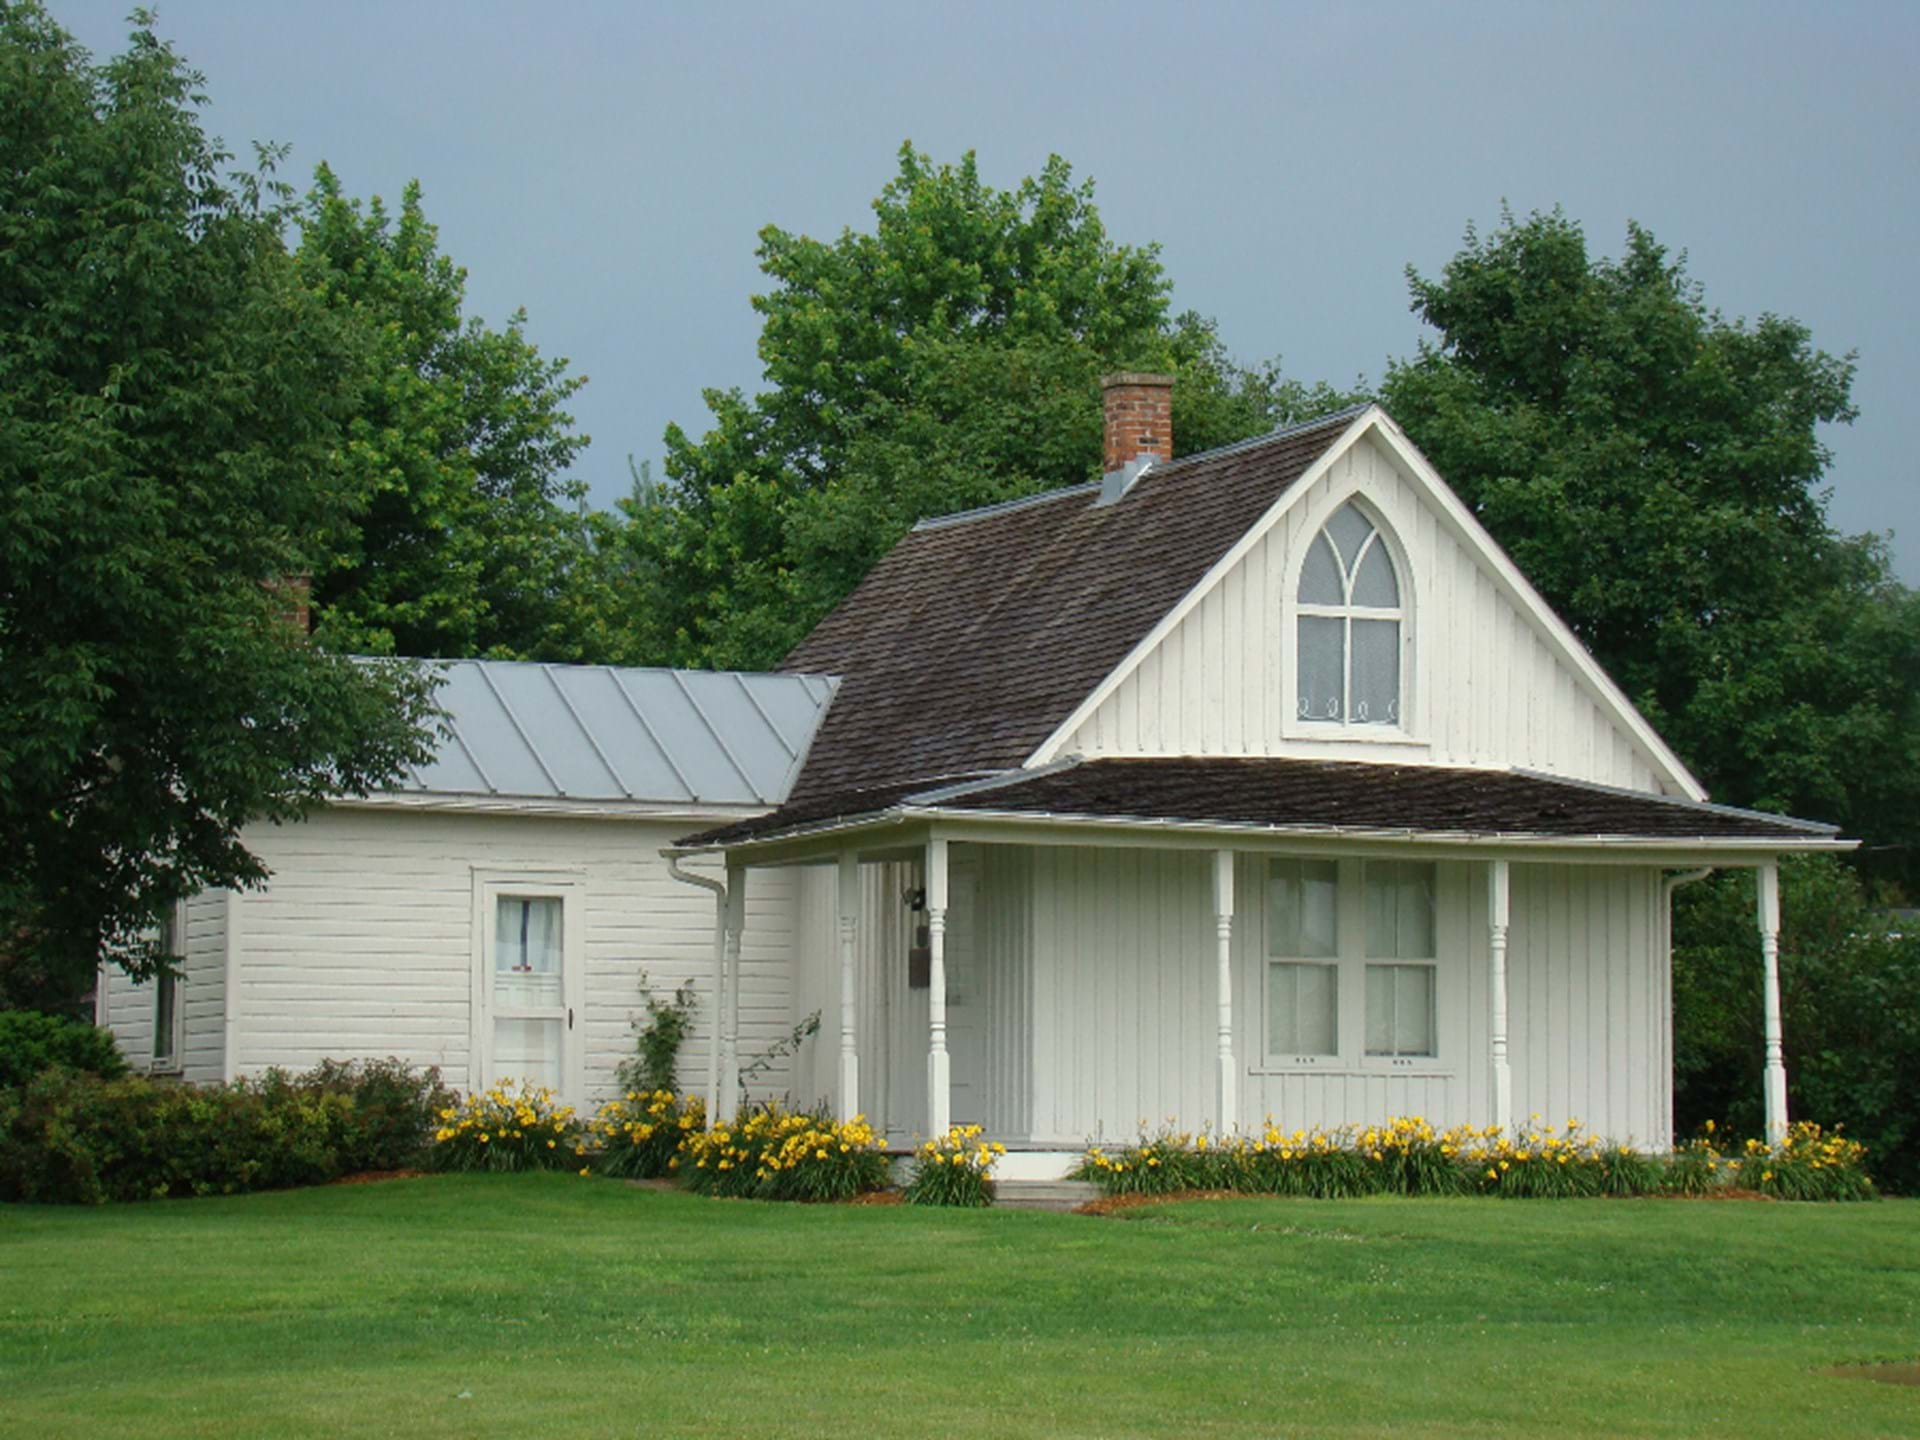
593, 732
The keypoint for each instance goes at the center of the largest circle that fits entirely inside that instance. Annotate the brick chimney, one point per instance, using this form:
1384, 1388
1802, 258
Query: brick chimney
295, 596
1139, 411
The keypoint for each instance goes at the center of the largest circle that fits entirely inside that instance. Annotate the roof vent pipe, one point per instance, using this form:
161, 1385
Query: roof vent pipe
1139, 428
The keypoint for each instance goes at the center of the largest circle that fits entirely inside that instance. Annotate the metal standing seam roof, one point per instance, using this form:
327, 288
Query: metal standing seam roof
593, 732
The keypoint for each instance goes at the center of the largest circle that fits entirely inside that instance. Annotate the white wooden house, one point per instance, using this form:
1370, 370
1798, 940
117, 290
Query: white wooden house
1256, 783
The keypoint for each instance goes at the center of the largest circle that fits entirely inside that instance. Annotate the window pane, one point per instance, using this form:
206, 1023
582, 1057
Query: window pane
1413, 1008
165, 997
1349, 530
1400, 1010
1323, 665
1376, 672
1320, 582
1379, 1010
1303, 1009
1375, 584
527, 1050
1399, 901
1302, 914
526, 952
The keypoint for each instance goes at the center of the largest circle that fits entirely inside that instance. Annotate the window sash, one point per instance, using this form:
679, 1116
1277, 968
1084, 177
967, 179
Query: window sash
1303, 1009
1402, 1011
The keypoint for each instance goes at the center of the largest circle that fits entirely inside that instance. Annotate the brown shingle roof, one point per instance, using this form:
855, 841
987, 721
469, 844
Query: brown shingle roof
975, 636
1316, 795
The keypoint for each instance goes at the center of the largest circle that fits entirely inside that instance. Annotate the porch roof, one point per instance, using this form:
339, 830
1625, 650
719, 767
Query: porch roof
1291, 795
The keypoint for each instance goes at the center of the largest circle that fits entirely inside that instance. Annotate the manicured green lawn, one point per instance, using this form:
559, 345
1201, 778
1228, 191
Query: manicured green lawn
555, 1306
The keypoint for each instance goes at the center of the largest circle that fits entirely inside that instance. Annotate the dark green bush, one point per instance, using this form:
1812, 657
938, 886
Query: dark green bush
71, 1138
31, 1042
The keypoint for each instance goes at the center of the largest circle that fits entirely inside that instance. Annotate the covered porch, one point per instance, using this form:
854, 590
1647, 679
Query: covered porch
1062, 977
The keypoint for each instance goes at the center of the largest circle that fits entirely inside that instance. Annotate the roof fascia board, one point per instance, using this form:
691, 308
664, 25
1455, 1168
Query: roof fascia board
1050, 748
1034, 827
549, 806
1520, 591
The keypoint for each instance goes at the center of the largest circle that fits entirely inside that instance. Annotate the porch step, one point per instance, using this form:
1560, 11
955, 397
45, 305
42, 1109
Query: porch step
1043, 1194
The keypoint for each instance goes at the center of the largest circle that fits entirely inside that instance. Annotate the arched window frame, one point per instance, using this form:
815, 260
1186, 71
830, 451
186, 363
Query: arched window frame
1403, 730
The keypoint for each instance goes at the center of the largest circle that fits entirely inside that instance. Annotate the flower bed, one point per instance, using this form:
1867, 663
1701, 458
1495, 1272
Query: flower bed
513, 1126
640, 1135
1406, 1156
774, 1154
956, 1169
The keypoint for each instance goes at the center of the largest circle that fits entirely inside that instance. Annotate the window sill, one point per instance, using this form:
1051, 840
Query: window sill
1335, 733
166, 1070
1347, 1070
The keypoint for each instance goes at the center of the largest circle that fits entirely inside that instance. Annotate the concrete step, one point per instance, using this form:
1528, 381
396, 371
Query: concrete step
1043, 1194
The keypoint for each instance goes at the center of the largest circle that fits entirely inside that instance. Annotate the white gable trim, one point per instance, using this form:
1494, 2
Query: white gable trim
1466, 529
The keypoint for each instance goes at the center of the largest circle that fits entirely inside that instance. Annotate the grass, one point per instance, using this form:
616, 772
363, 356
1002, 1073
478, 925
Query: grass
514, 1305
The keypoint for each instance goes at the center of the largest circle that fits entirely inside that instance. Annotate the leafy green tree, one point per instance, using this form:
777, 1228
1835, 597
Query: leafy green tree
170, 397
470, 539
948, 358
1655, 469
1848, 974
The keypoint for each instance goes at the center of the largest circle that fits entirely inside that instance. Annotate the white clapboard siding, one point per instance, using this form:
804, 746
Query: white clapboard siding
200, 995
361, 944
1483, 686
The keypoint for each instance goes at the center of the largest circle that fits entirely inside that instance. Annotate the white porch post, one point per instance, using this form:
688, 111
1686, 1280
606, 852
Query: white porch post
847, 1102
1776, 1073
729, 1098
939, 1066
1226, 1107
1501, 1078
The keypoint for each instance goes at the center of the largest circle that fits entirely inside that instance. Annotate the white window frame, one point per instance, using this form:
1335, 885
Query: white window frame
1409, 729
1352, 960
569, 887
173, 943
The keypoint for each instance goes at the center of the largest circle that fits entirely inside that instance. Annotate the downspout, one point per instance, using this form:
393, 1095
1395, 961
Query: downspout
719, 889
1669, 884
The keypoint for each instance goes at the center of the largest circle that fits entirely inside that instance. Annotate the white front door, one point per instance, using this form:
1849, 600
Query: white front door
527, 983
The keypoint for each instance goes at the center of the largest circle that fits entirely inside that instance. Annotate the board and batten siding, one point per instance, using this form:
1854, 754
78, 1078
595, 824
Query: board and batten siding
200, 994
361, 944
989, 992
1486, 685
1124, 1002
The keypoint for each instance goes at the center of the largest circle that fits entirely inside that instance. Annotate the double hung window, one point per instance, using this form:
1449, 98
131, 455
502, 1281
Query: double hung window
1352, 970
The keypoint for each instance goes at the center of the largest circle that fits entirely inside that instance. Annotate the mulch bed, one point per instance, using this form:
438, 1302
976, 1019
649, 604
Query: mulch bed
1113, 1204
374, 1177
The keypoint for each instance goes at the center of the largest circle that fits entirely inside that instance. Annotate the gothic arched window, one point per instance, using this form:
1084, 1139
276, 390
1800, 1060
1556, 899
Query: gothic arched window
1349, 613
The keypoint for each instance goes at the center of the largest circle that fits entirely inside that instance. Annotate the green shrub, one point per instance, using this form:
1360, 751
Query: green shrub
956, 1169
1697, 1166
31, 1042
394, 1112
513, 1126
639, 1135
72, 1138
773, 1154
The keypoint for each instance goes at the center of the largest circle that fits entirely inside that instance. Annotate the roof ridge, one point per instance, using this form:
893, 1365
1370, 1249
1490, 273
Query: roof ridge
1282, 432
582, 665
1001, 507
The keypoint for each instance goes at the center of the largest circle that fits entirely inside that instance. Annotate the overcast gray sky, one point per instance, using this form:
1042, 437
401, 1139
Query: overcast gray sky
606, 166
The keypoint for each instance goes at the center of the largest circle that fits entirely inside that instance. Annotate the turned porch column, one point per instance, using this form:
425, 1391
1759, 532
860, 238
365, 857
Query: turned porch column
939, 1066
1226, 1106
1500, 1078
1776, 1071
729, 1097
847, 1099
